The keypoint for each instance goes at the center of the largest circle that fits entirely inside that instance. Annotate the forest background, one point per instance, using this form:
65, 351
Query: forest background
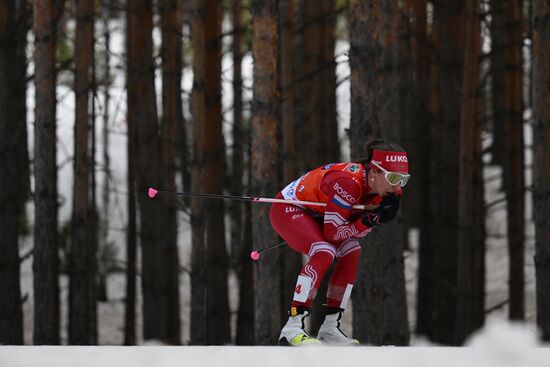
104, 99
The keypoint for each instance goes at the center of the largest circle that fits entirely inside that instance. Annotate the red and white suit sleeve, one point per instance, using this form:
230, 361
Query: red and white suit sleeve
343, 193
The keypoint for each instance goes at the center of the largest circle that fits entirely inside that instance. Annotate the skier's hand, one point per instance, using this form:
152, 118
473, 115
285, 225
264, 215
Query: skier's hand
388, 207
385, 212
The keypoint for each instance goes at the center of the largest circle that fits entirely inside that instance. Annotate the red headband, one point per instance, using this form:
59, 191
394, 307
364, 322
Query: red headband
391, 161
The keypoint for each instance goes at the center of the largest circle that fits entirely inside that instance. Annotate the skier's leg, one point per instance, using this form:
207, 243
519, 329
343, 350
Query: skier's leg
339, 292
304, 234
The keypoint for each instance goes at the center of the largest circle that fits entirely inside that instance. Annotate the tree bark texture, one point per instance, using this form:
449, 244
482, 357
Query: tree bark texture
416, 206
131, 232
82, 267
379, 303
291, 261
236, 208
45, 258
209, 157
541, 160
241, 239
11, 317
318, 84
198, 107
513, 156
497, 29
444, 194
171, 117
470, 172
264, 165
155, 254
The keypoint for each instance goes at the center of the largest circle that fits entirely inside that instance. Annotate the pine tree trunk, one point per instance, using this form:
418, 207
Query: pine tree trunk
416, 205
11, 319
498, 74
209, 244
82, 300
106, 185
379, 303
236, 208
45, 258
264, 165
444, 197
246, 313
155, 255
309, 82
291, 261
198, 260
217, 301
23, 13
131, 232
541, 162
513, 157
241, 239
326, 104
468, 228
322, 127
408, 115
171, 90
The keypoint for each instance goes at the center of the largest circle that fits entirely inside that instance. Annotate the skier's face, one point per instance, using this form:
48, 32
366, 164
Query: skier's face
380, 185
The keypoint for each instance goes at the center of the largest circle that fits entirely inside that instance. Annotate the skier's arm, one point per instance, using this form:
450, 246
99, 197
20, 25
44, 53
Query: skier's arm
343, 192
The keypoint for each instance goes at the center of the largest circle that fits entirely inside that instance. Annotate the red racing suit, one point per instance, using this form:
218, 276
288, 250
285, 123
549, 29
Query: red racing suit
340, 185
325, 233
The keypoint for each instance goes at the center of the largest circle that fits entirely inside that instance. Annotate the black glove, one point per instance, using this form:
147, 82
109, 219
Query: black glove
385, 212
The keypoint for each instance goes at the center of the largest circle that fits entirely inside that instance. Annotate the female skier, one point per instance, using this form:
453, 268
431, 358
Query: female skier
331, 232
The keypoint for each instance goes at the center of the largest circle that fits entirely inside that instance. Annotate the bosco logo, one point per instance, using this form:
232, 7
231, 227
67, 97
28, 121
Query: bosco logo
343, 193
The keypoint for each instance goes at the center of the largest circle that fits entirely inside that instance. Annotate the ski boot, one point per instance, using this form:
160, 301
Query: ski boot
293, 333
330, 332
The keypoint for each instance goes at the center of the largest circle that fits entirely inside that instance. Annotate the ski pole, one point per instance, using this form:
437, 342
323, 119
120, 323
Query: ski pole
152, 193
255, 255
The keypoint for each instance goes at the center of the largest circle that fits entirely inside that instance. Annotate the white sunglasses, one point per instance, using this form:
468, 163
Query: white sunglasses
393, 178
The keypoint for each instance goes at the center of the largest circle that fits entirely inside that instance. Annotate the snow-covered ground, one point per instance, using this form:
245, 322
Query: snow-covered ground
499, 345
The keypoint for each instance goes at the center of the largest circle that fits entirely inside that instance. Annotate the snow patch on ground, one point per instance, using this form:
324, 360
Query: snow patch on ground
499, 344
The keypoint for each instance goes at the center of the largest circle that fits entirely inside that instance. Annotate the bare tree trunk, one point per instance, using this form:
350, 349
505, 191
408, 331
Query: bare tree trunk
155, 255
82, 306
264, 164
131, 244
379, 306
131, 231
309, 82
498, 74
444, 197
237, 164
106, 185
45, 259
23, 13
209, 159
327, 100
409, 115
241, 239
513, 157
218, 326
184, 147
198, 110
468, 165
416, 205
171, 90
291, 261
11, 317
246, 313
541, 161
